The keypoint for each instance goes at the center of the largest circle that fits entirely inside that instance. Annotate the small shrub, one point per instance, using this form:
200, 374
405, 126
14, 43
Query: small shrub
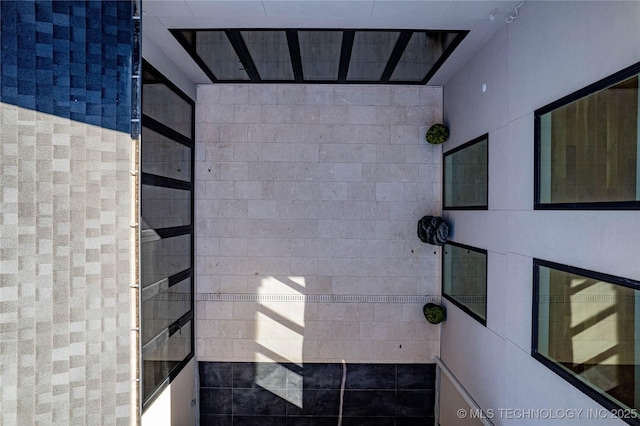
437, 134
435, 314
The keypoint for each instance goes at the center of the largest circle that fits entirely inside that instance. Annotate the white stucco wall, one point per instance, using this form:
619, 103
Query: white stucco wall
552, 50
174, 406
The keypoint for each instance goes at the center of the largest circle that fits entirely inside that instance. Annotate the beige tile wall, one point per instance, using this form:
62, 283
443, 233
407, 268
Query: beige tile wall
64, 271
307, 200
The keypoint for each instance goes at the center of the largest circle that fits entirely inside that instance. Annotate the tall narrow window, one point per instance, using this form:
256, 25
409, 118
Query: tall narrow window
464, 278
585, 328
587, 147
466, 175
166, 218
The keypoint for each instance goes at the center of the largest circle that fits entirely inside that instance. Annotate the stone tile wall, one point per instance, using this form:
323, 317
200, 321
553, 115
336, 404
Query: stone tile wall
314, 394
65, 271
65, 112
307, 202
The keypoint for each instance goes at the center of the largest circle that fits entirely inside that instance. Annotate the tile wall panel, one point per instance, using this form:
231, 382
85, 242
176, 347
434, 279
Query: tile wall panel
316, 394
307, 200
64, 217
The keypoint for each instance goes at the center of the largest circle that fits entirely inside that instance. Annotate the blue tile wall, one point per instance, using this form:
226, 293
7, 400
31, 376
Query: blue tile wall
375, 394
68, 58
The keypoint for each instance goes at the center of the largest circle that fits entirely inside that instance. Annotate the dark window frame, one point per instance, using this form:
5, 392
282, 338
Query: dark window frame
460, 305
348, 36
551, 365
444, 173
577, 95
162, 181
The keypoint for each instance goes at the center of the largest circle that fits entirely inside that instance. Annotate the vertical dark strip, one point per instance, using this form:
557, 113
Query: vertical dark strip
8, 53
294, 53
26, 74
534, 315
136, 75
242, 51
536, 159
345, 54
78, 49
44, 57
62, 58
394, 59
124, 54
99, 68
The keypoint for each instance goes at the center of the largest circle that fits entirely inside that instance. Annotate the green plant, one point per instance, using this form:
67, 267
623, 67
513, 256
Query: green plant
435, 314
437, 134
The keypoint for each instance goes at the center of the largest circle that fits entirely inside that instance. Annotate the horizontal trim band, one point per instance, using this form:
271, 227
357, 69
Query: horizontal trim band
469, 299
323, 298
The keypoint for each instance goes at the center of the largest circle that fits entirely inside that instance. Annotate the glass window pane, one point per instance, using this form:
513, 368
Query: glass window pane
167, 107
370, 54
215, 49
589, 148
188, 36
464, 278
162, 258
161, 359
164, 207
587, 328
164, 307
466, 175
421, 54
162, 156
320, 54
270, 53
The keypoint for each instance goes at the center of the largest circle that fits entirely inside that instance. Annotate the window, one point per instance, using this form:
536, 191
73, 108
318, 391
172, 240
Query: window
370, 53
166, 236
464, 279
270, 52
587, 147
335, 56
466, 176
320, 54
585, 328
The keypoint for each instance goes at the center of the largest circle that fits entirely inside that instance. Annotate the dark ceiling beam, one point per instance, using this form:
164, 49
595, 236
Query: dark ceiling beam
242, 51
294, 54
445, 55
345, 54
394, 59
192, 51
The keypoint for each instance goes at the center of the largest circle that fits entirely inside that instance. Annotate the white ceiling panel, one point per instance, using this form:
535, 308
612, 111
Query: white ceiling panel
412, 11
225, 9
164, 8
321, 10
340, 14
480, 10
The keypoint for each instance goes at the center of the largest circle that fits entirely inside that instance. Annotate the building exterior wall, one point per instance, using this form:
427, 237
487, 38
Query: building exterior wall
307, 200
551, 50
65, 111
